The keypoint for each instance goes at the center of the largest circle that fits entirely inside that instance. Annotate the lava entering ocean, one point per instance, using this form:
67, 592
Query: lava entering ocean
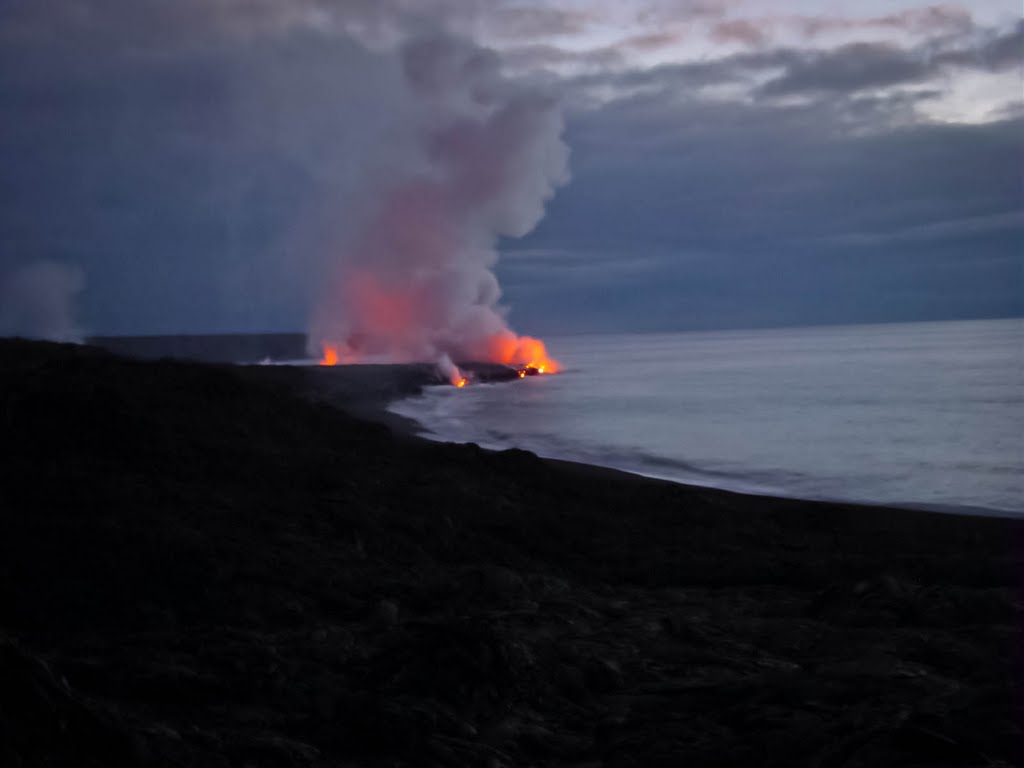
526, 354
413, 279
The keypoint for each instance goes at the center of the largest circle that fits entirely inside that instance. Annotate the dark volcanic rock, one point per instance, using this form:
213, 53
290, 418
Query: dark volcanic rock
209, 566
41, 718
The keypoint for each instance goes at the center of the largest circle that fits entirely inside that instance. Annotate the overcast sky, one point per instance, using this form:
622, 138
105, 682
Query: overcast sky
734, 163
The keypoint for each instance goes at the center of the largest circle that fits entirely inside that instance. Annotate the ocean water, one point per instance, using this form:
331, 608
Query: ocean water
924, 414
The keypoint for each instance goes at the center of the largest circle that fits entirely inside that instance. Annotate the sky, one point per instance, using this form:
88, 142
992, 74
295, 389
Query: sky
196, 165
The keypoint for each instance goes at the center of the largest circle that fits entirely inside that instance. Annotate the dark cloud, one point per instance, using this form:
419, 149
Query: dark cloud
198, 166
1006, 51
152, 27
724, 173
845, 70
861, 66
850, 68
754, 214
996, 51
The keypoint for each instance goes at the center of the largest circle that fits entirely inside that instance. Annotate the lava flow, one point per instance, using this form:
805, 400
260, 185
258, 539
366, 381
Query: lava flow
330, 357
527, 355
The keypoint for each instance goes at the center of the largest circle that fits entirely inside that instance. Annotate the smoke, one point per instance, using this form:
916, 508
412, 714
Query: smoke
254, 164
37, 301
480, 156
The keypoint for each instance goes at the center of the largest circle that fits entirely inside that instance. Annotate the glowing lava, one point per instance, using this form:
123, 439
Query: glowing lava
526, 354
330, 356
521, 352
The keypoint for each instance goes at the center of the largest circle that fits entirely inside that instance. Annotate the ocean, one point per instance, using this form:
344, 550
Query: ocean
919, 414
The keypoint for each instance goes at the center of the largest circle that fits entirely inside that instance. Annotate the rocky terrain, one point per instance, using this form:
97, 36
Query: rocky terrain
213, 566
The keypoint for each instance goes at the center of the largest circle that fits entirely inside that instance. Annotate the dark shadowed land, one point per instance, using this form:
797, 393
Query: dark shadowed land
210, 348
200, 567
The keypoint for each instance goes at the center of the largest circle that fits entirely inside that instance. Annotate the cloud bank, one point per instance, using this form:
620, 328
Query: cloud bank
221, 165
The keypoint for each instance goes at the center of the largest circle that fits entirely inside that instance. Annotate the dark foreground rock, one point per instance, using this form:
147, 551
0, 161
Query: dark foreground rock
198, 568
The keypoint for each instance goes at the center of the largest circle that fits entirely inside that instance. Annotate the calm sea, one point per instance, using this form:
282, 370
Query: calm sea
928, 414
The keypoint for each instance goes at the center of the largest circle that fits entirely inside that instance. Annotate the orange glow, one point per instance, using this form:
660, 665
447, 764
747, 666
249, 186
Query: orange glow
330, 355
522, 352
390, 317
338, 355
527, 355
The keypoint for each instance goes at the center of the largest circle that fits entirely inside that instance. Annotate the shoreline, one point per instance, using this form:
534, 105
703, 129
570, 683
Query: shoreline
367, 392
379, 411
370, 396
202, 567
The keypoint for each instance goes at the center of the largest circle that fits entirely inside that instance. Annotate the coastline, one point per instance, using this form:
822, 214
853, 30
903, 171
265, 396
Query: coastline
200, 566
379, 410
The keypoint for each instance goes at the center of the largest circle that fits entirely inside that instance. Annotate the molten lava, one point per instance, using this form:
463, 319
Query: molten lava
527, 354
330, 356
397, 323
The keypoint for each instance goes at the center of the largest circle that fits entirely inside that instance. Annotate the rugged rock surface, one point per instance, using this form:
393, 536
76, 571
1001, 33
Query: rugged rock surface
199, 568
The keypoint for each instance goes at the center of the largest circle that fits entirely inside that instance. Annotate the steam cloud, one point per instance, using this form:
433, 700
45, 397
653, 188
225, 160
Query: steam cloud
481, 157
344, 165
37, 302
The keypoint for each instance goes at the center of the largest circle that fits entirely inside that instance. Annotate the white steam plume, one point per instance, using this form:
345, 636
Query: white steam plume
480, 156
352, 167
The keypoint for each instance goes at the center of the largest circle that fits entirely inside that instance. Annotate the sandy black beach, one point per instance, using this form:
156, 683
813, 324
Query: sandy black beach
208, 565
